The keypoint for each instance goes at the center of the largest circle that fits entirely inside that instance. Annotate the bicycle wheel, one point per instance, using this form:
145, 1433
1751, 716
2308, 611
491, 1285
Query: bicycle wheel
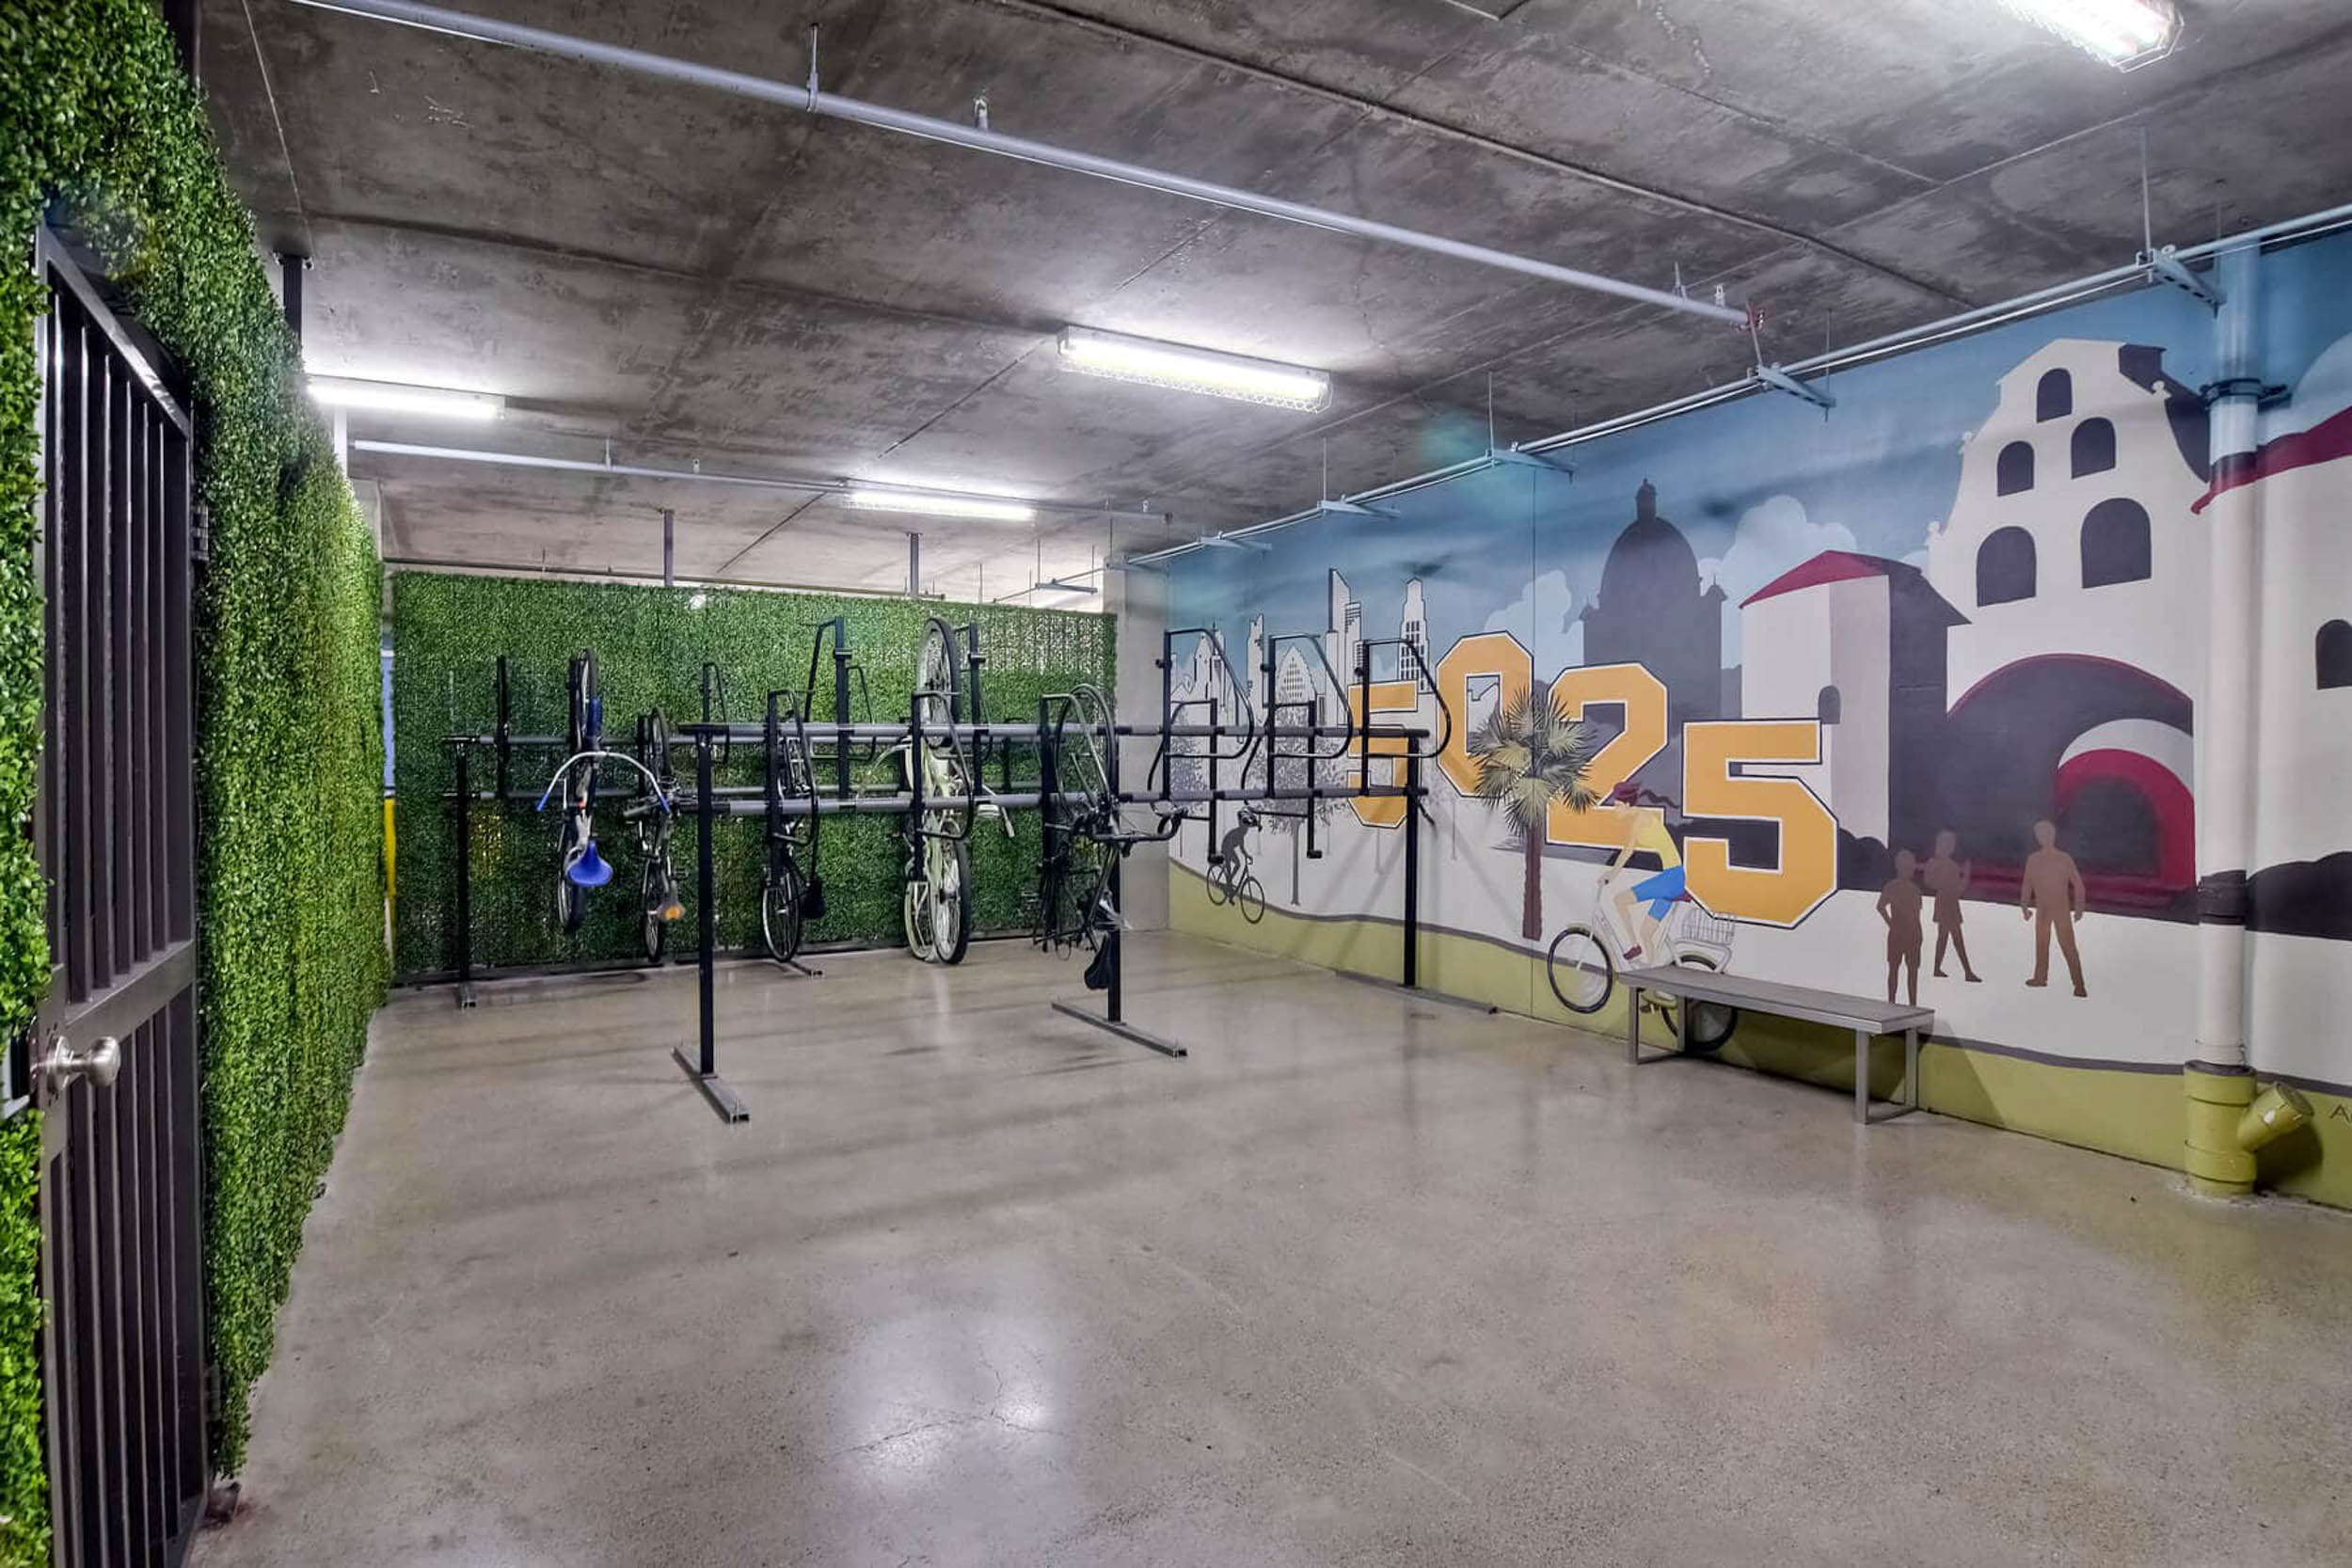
657, 930
1218, 889
571, 903
1251, 898
780, 910
951, 925
1707, 1024
916, 914
1580, 969
939, 674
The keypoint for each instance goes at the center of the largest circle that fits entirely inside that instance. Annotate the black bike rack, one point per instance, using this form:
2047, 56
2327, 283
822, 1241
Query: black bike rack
1112, 1019
1097, 803
702, 1068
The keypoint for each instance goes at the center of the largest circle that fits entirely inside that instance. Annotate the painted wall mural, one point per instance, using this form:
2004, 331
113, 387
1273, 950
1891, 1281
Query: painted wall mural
1901, 695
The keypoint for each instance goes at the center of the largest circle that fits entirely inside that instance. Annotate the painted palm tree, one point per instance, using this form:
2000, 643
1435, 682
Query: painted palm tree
1530, 755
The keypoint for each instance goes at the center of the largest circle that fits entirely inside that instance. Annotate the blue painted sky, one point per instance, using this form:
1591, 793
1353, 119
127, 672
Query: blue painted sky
1873, 475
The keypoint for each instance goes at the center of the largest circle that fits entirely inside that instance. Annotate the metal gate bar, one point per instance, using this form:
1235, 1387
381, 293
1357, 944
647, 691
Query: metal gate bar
121, 1194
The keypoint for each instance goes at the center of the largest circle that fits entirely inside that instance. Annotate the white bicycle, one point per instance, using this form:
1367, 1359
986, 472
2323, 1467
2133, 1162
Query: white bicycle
1584, 960
936, 911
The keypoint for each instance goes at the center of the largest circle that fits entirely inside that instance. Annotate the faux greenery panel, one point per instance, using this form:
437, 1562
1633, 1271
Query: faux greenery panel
650, 644
100, 133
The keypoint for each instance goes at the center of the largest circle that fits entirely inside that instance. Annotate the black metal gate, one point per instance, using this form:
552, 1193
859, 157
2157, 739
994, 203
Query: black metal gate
114, 1057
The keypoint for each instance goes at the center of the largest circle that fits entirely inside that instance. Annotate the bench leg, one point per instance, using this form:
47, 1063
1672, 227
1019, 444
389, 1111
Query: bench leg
1861, 1075
1633, 1024
1910, 1067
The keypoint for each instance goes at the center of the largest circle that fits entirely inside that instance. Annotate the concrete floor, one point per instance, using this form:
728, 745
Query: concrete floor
1366, 1280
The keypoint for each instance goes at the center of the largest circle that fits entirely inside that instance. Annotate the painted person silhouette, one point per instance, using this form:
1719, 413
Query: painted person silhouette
1947, 878
2052, 898
1898, 905
1232, 853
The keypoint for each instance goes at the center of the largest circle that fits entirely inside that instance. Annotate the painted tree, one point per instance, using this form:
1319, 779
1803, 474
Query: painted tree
1531, 755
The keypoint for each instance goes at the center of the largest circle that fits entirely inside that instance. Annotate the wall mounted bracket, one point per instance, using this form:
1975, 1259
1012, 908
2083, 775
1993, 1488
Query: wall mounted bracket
2266, 394
1780, 381
2165, 267
1513, 457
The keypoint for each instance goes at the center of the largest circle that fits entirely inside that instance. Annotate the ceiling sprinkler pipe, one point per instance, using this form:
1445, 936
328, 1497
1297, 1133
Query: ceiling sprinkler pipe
979, 139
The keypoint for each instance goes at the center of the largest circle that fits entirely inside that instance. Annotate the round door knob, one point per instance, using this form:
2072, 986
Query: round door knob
65, 1063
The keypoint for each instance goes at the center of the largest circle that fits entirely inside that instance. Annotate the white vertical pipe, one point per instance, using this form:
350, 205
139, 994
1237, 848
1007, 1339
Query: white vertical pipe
2226, 731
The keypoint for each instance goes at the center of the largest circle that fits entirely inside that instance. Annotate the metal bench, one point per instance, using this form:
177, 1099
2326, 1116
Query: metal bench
1871, 1019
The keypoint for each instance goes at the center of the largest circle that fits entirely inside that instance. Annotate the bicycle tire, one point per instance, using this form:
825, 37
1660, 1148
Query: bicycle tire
1708, 1024
915, 917
1218, 890
1251, 896
951, 912
571, 904
781, 925
1586, 1000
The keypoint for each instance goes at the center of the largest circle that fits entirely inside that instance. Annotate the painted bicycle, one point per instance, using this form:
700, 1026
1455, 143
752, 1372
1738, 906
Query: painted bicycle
1230, 879
1584, 961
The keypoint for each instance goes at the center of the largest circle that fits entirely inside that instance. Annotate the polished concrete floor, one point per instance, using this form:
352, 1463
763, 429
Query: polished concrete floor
1366, 1280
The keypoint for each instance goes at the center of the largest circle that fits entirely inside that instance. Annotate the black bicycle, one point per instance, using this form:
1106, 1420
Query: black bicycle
1085, 838
790, 893
660, 903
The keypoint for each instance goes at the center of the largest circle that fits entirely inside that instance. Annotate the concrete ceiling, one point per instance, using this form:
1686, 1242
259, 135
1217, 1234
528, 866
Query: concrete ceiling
695, 277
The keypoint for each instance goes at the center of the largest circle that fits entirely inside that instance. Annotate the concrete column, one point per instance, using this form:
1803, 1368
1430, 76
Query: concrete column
1140, 599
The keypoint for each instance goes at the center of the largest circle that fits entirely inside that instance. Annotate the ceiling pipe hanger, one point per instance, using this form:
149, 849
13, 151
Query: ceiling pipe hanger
812, 98
1342, 507
1511, 456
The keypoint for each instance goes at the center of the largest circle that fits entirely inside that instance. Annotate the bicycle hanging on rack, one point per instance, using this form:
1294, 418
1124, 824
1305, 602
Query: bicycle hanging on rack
661, 904
791, 894
1075, 910
577, 867
934, 767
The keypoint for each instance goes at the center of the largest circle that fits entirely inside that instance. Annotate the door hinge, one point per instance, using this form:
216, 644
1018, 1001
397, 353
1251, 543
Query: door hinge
201, 534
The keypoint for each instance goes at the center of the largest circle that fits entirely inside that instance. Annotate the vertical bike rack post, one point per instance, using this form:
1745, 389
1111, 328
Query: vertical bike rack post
461, 935
1118, 899
1412, 865
503, 737
841, 705
704, 1070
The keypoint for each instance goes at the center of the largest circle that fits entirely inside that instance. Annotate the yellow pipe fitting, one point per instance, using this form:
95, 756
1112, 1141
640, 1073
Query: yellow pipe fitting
2280, 1110
2217, 1159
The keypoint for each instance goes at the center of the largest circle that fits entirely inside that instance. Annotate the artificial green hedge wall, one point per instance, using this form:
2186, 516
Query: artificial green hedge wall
101, 132
650, 644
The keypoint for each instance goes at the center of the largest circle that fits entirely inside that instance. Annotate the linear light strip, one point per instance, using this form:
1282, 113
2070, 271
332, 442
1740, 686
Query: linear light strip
396, 397
1194, 369
877, 498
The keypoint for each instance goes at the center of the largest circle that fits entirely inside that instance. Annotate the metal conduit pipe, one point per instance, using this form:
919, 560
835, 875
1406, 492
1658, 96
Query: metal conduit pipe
2054, 297
2226, 1123
815, 101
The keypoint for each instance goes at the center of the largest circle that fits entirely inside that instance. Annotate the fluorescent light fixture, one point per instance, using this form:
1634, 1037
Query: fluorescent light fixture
1193, 369
883, 498
394, 397
2125, 33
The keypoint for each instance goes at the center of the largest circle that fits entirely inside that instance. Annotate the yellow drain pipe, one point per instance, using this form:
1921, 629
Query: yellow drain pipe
2228, 1123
